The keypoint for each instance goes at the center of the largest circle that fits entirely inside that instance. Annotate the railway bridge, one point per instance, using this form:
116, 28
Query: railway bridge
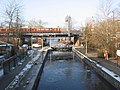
28, 33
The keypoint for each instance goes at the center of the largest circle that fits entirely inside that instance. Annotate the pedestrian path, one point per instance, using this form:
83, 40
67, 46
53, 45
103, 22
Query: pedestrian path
31, 79
8, 78
18, 78
107, 64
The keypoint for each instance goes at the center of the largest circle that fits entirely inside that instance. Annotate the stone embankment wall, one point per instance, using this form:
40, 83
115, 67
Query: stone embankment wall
39, 73
108, 75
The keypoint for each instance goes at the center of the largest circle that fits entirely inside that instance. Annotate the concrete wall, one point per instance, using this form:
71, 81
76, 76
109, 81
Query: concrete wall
77, 41
105, 75
39, 73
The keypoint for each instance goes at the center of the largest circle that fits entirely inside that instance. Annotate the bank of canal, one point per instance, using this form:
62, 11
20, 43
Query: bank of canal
64, 71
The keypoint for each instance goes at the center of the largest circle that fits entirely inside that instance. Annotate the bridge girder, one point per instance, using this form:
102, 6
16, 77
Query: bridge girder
50, 34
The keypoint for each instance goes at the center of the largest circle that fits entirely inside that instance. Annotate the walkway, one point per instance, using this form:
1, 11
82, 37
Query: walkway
6, 79
109, 64
30, 81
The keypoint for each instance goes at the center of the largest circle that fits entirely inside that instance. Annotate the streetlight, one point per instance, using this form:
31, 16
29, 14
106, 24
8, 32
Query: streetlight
50, 41
42, 41
31, 41
86, 46
73, 41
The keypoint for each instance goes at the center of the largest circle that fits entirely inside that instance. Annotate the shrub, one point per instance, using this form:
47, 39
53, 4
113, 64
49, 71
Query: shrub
100, 53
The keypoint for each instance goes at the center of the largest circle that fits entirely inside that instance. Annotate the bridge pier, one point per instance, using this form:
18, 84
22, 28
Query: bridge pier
77, 41
75, 38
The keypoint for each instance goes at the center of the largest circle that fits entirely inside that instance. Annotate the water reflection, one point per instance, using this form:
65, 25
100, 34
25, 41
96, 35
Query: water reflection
62, 73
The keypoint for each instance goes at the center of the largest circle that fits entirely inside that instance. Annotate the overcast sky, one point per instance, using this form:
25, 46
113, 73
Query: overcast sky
54, 11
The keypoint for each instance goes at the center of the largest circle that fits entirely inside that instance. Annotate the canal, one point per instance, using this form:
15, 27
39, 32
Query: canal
64, 71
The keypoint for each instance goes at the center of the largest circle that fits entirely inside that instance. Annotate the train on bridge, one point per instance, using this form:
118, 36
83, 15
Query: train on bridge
31, 30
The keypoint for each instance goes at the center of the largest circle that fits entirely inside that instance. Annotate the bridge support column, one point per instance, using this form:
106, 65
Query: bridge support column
77, 41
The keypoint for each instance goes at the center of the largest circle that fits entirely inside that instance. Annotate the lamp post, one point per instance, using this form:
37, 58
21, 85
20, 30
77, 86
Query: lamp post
50, 40
86, 39
86, 47
73, 41
31, 41
42, 41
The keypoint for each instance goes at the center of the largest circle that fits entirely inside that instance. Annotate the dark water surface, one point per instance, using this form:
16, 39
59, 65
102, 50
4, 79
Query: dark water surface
63, 71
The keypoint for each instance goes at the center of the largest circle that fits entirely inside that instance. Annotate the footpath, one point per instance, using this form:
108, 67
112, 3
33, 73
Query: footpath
8, 78
109, 64
31, 79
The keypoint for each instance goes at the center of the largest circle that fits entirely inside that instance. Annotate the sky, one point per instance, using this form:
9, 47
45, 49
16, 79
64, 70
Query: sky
54, 11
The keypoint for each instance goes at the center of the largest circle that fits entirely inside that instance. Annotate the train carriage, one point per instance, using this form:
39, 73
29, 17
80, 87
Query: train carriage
31, 30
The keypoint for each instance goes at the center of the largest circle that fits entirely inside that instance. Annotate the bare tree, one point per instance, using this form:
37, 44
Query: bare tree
17, 25
36, 23
108, 27
87, 35
106, 8
105, 27
2, 24
12, 17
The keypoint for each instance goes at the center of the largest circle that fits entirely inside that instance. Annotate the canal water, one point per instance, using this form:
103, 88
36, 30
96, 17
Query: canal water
64, 71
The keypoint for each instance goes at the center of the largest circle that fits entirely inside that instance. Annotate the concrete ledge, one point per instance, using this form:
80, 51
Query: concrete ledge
110, 76
39, 73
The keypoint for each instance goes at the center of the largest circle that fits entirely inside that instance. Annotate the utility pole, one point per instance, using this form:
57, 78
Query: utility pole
17, 34
86, 48
50, 41
42, 41
86, 39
